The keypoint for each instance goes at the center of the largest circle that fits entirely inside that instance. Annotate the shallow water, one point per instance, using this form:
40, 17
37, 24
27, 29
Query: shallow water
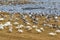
44, 0
49, 8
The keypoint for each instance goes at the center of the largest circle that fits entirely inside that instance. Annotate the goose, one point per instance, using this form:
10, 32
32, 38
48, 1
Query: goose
28, 28
35, 22
1, 19
28, 23
57, 31
0, 11
45, 21
37, 19
10, 28
30, 15
38, 30
42, 29
58, 27
16, 23
34, 26
57, 20
44, 24
17, 18
20, 26
50, 25
1, 26
52, 34
25, 16
7, 23
20, 30
56, 17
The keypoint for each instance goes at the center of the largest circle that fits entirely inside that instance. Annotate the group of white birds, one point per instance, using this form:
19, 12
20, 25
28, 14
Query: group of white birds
19, 27
28, 27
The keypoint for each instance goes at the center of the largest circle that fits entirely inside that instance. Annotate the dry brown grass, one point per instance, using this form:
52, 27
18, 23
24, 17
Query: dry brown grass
14, 2
32, 35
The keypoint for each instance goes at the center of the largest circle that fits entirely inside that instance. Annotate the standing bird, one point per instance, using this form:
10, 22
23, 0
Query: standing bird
10, 28
1, 26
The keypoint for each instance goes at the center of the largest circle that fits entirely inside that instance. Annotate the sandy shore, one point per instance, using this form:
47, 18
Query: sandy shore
31, 35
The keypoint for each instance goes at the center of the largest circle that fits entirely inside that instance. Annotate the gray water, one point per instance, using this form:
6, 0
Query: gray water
49, 8
44, 0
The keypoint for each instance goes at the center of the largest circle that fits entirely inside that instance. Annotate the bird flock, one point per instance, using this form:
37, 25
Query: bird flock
30, 22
